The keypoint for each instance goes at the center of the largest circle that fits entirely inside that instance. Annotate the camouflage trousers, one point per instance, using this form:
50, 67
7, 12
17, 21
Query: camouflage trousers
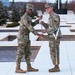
23, 50
54, 49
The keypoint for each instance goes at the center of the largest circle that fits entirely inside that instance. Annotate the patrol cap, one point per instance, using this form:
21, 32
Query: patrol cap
30, 6
47, 5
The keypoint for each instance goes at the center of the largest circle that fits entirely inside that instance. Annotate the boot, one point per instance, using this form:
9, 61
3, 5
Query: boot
18, 70
55, 69
31, 69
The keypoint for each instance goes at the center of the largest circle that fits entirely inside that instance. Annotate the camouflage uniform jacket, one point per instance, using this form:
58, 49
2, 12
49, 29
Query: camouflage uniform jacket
26, 26
53, 24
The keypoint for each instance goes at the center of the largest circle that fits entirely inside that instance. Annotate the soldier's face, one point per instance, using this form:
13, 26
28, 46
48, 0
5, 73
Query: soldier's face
49, 9
29, 11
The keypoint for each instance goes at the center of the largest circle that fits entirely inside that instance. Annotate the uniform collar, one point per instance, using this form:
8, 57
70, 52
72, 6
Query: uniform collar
52, 13
27, 15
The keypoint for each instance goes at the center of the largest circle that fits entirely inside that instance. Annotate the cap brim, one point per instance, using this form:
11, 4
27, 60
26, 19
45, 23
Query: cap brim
46, 7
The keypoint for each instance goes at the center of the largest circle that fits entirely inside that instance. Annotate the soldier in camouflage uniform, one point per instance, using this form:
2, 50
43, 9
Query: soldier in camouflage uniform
53, 31
26, 26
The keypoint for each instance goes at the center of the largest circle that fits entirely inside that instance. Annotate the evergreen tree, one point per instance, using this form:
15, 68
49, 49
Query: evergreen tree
3, 14
15, 14
23, 10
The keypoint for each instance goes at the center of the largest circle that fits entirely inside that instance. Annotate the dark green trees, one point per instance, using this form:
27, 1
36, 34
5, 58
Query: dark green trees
3, 14
15, 14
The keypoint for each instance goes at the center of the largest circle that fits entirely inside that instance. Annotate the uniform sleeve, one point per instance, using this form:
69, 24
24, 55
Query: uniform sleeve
55, 25
30, 28
35, 23
46, 26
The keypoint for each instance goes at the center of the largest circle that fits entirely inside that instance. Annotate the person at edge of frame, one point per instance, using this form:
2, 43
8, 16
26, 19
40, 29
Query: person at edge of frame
53, 30
26, 26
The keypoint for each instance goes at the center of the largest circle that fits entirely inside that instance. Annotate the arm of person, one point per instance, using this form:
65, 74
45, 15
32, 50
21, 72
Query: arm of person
55, 23
46, 26
30, 28
36, 21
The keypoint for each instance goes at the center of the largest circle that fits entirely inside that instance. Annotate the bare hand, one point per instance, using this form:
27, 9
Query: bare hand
42, 22
40, 35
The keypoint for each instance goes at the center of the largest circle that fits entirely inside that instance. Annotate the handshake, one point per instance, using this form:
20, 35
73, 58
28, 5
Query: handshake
40, 35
